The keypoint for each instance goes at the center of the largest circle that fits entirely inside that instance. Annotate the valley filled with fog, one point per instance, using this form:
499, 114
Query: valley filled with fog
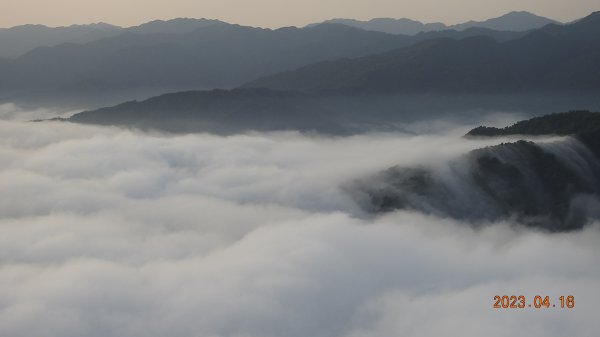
107, 231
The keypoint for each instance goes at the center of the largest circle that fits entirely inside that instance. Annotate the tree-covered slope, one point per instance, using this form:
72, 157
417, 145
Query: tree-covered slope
550, 185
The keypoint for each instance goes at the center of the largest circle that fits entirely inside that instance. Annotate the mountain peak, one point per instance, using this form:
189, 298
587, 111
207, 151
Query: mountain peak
512, 21
177, 25
583, 29
519, 13
593, 17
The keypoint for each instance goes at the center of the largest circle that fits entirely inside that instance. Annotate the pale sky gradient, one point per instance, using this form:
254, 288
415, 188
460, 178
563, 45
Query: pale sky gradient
277, 13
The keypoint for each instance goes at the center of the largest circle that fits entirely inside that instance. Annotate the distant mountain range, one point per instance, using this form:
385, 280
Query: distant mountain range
553, 58
330, 60
19, 40
513, 21
185, 54
555, 67
213, 56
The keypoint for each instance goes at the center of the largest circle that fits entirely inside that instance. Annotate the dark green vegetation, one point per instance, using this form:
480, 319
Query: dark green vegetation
553, 186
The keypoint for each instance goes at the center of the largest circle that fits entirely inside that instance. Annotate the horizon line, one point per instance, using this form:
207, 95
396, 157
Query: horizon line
284, 26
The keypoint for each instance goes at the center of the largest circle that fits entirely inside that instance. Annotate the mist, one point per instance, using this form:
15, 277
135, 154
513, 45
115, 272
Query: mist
16, 113
494, 183
107, 231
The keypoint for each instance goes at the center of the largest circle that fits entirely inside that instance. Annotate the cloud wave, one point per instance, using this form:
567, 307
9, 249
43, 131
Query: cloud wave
107, 232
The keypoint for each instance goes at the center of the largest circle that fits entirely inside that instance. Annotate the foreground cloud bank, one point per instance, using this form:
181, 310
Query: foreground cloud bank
105, 232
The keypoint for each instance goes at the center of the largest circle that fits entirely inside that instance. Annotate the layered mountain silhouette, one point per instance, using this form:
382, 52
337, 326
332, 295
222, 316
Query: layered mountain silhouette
174, 26
556, 67
19, 40
513, 21
553, 58
551, 185
185, 54
214, 56
498, 35
388, 25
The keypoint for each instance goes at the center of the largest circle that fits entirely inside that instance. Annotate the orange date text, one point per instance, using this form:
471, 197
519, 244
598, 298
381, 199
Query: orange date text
536, 302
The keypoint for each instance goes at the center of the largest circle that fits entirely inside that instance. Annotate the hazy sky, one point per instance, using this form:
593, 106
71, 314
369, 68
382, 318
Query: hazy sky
276, 13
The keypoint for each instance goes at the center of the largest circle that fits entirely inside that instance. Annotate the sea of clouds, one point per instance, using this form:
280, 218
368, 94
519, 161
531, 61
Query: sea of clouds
112, 232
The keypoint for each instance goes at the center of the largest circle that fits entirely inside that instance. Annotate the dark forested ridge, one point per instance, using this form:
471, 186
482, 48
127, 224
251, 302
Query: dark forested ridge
549, 185
218, 111
245, 109
565, 123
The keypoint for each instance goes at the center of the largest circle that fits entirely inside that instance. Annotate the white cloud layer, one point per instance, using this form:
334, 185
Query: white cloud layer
13, 112
106, 232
